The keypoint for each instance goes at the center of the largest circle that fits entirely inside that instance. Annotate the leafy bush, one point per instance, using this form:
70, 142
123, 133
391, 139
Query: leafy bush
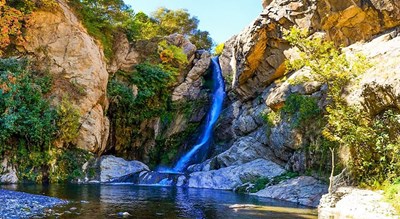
29, 125
66, 164
172, 57
25, 112
129, 108
11, 24
180, 21
27, 121
302, 108
68, 122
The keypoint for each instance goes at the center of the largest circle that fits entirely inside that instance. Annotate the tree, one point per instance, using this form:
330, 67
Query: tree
180, 21
175, 21
331, 67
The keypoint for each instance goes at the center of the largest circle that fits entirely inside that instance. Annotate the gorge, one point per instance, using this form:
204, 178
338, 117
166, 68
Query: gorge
96, 95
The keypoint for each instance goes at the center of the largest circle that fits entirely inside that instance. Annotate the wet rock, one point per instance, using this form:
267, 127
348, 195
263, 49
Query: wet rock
230, 177
110, 167
124, 214
304, 190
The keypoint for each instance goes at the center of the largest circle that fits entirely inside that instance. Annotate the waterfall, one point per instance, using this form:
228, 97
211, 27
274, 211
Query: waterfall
218, 95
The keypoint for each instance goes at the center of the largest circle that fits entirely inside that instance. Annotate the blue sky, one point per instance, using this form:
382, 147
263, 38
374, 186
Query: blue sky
222, 18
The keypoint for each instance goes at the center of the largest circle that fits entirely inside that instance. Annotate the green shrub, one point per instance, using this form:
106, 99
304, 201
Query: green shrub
392, 193
68, 121
29, 125
301, 108
128, 111
66, 164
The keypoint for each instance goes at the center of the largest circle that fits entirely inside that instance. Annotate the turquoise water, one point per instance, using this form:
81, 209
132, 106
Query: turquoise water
106, 201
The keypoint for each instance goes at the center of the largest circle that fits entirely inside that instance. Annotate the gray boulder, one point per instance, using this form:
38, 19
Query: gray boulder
230, 177
8, 173
244, 150
191, 87
304, 190
111, 167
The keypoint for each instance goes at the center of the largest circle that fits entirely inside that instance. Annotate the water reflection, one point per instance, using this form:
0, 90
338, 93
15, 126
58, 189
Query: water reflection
106, 201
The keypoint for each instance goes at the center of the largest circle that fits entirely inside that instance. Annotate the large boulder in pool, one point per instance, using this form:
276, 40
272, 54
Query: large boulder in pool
233, 176
303, 190
114, 167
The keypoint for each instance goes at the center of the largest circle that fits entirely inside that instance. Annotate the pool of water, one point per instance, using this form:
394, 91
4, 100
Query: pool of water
106, 201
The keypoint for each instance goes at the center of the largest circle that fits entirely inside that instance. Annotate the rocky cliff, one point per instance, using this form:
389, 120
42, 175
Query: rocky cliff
253, 63
58, 41
248, 146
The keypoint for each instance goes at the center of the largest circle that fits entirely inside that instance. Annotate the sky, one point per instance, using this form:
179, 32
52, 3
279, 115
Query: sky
221, 18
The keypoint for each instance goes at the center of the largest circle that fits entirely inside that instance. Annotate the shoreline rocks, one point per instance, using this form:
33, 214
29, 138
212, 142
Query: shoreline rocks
350, 202
24, 205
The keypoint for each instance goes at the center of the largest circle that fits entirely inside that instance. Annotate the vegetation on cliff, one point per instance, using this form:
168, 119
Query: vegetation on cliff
103, 19
30, 126
372, 139
14, 17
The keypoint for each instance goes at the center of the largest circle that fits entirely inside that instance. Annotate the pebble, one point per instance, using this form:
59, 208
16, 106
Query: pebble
123, 214
73, 209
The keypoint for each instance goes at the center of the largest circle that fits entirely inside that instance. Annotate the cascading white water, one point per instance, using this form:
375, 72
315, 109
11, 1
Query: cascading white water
218, 96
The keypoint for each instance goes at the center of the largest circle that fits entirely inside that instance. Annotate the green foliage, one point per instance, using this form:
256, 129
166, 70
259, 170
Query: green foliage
372, 139
141, 26
168, 148
301, 108
260, 183
29, 126
272, 118
68, 122
219, 49
283, 177
201, 39
392, 193
253, 185
175, 21
25, 113
66, 165
172, 56
129, 108
164, 22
